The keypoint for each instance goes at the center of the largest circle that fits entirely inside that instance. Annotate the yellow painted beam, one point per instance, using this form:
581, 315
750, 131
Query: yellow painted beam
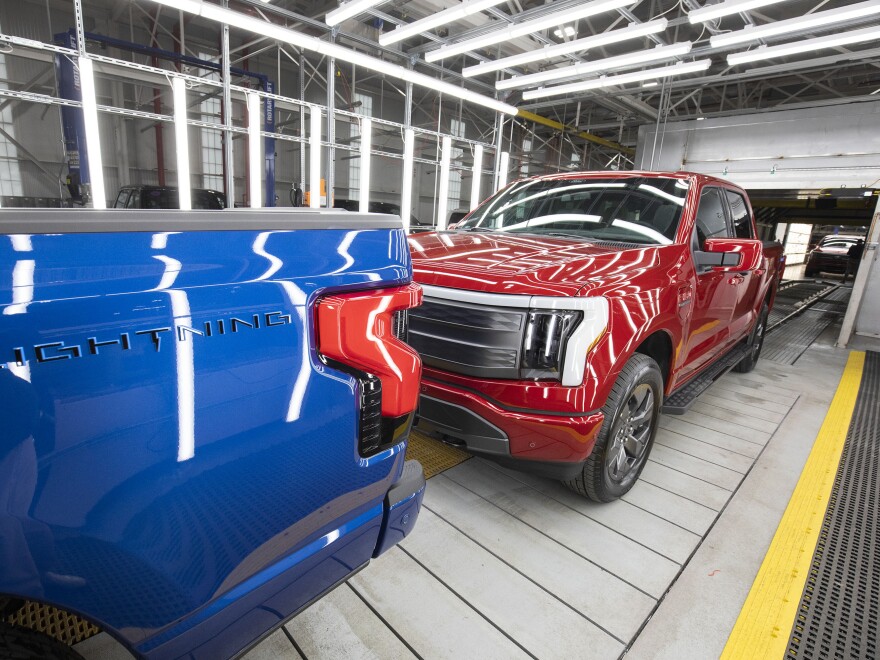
589, 137
764, 625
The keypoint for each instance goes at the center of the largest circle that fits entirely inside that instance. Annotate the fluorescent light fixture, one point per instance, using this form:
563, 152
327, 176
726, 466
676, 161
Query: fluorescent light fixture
651, 83
821, 19
805, 46
409, 143
478, 174
255, 152
366, 145
315, 158
711, 12
184, 181
93, 136
527, 27
567, 31
348, 10
578, 46
611, 81
456, 13
503, 166
657, 54
269, 30
443, 193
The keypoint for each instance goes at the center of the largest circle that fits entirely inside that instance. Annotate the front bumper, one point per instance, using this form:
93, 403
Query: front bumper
549, 444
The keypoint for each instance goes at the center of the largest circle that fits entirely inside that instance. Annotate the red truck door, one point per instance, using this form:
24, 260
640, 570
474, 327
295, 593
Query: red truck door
714, 298
746, 282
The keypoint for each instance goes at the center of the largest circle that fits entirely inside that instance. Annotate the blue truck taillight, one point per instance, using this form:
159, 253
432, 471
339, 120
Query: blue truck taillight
362, 334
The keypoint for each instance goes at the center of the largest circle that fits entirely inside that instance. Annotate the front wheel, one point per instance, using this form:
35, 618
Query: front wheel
755, 342
627, 435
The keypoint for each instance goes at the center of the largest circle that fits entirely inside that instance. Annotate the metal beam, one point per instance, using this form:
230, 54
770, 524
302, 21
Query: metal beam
595, 139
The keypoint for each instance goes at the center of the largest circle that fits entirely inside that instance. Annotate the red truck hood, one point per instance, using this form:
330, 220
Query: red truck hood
520, 264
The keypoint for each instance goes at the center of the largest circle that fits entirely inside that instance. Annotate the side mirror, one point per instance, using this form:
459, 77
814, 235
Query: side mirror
730, 254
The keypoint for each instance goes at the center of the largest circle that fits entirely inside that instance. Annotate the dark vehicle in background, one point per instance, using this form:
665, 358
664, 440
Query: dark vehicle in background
382, 207
166, 197
830, 255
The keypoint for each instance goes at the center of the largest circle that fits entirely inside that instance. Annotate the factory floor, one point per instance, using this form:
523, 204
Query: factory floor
506, 565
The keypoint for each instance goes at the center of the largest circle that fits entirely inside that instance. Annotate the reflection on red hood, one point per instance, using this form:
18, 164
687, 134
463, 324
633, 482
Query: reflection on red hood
522, 264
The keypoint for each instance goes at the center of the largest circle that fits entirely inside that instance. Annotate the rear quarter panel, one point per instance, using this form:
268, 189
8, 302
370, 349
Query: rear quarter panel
189, 479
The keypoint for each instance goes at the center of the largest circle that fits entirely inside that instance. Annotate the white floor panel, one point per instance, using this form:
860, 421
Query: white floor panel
710, 453
435, 622
602, 598
671, 507
672, 457
541, 623
666, 539
341, 625
632, 562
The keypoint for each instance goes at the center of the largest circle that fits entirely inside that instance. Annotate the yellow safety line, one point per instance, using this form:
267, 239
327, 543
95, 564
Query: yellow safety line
764, 624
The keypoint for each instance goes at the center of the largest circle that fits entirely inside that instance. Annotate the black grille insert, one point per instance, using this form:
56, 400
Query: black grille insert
476, 340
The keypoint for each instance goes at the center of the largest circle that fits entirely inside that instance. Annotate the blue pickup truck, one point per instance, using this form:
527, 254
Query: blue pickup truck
203, 416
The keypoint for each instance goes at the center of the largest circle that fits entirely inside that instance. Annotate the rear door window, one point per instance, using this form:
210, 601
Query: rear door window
711, 220
121, 199
739, 215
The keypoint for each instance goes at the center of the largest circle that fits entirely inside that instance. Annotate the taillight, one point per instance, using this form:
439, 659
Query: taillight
362, 334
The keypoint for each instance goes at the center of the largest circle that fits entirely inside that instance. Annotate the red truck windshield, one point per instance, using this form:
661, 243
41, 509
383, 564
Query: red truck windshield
638, 210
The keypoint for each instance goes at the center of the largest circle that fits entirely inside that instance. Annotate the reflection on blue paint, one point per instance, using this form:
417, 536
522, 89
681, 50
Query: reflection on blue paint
186, 436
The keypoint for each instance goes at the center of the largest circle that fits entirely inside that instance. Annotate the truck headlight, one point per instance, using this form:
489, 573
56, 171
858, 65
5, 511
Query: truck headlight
558, 335
545, 340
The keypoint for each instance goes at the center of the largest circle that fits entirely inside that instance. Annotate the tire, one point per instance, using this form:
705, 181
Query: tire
18, 643
9, 606
755, 342
614, 465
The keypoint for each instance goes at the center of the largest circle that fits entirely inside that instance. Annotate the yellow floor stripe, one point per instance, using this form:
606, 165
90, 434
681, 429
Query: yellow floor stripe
764, 624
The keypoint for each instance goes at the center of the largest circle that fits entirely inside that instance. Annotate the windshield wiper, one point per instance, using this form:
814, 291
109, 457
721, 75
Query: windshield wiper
476, 229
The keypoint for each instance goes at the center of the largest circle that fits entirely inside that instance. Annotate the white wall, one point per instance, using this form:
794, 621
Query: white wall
815, 148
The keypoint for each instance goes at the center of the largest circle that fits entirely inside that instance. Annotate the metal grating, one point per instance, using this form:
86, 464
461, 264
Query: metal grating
66, 628
840, 607
789, 341
435, 456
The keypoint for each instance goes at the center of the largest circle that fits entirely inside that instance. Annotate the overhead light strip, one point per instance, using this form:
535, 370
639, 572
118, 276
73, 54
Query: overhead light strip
478, 175
270, 30
501, 174
93, 134
805, 46
712, 12
528, 27
255, 152
444, 17
657, 54
821, 19
366, 146
184, 181
577, 46
443, 192
349, 10
612, 81
315, 158
409, 138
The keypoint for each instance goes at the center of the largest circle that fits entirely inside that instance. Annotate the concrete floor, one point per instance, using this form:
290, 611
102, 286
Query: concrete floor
507, 565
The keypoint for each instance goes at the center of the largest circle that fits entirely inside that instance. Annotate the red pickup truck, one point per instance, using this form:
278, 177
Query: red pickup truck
566, 312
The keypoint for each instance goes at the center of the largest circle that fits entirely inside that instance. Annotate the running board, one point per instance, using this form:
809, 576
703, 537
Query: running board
681, 399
